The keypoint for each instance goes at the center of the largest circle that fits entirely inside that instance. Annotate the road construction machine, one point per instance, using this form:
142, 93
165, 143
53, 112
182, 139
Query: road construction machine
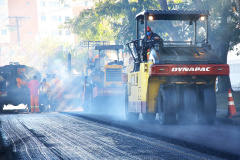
107, 77
13, 84
177, 80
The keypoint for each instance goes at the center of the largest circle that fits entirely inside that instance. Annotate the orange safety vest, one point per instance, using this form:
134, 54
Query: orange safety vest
46, 88
148, 53
19, 82
33, 86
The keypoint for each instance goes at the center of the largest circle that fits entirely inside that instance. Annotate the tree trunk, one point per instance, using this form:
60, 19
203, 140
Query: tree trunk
237, 2
140, 6
171, 30
129, 29
127, 8
224, 81
163, 4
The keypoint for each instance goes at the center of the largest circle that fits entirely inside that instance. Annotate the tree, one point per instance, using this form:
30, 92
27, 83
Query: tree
223, 37
237, 2
224, 31
109, 20
163, 4
45, 55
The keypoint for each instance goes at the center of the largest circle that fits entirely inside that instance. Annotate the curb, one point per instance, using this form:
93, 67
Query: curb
228, 121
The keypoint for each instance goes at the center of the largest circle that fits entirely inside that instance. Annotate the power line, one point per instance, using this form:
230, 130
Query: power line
17, 26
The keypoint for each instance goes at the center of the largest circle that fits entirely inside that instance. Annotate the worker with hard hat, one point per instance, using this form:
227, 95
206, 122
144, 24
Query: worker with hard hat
152, 36
33, 85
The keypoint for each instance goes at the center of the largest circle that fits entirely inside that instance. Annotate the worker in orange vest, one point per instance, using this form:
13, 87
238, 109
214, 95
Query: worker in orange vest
45, 87
58, 87
33, 85
20, 82
152, 36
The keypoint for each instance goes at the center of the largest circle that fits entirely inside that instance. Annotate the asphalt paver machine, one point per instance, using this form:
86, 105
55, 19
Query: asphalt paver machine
107, 78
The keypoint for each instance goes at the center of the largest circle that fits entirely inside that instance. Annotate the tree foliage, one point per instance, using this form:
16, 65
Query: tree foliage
223, 23
110, 20
46, 55
113, 20
224, 30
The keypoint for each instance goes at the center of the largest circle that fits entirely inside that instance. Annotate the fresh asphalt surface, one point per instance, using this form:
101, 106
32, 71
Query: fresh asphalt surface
76, 135
218, 139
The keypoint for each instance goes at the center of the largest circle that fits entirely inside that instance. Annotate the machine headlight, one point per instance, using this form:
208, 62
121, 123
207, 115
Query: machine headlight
202, 18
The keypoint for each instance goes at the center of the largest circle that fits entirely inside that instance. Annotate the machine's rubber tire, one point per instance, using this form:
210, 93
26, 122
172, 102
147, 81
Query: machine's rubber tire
187, 114
167, 104
149, 117
206, 112
130, 116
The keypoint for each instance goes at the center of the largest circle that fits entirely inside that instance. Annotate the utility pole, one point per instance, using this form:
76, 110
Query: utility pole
17, 26
69, 63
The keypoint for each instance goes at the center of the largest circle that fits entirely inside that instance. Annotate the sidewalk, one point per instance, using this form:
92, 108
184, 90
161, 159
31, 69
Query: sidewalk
222, 108
222, 117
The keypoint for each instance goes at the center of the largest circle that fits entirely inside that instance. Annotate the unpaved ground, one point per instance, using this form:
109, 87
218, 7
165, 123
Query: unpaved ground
222, 103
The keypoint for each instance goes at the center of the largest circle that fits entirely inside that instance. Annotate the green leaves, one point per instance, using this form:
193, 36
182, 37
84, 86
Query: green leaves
109, 20
113, 20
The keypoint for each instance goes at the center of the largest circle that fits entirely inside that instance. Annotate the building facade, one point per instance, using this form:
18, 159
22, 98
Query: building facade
4, 22
29, 20
23, 20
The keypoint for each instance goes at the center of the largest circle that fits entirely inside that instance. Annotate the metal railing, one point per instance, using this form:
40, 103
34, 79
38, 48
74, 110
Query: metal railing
92, 44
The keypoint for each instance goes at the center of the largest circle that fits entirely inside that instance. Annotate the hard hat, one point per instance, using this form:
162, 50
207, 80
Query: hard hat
148, 29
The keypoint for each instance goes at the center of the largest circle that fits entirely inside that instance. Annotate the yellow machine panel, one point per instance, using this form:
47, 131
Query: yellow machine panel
113, 76
153, 87
143, 90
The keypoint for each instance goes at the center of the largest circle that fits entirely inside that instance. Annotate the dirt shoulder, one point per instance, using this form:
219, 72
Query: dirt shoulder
222, 103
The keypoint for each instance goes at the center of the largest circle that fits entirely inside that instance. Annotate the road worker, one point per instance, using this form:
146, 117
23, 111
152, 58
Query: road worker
20, 81
45, 87
56, 92
33, 85
152, 36
45, 93
58, 87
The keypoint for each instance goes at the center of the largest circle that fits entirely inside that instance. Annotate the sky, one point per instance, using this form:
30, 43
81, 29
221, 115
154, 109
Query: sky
232, 55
